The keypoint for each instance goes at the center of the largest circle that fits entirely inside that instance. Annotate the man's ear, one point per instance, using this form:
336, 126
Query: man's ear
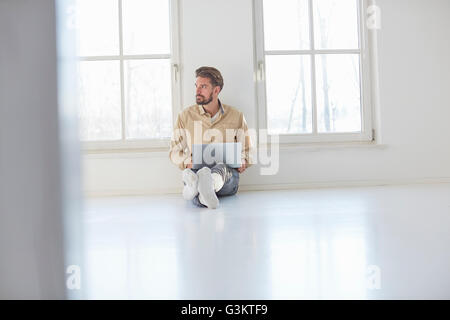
217, 90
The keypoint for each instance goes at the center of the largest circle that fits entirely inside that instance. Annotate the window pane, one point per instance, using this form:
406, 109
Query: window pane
148, 99
99, 100
97, 23
288, 85
146, 28
338, 93
286, 24
336, 24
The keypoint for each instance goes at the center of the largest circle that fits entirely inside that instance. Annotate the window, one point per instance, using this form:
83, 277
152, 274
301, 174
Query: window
313, 70
127, 67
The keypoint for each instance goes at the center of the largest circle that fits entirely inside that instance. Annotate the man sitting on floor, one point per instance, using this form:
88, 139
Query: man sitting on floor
218, 123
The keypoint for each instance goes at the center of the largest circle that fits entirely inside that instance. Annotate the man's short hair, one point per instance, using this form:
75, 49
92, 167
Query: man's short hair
212, 74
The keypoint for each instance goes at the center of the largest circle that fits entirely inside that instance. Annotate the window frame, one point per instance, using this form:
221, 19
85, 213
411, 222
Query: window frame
132, 145
367, 134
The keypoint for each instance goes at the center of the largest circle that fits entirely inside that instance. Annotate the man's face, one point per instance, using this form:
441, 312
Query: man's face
204, 92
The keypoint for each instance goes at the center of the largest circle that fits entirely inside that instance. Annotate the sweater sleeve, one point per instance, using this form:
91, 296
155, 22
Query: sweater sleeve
246, 141
179, 151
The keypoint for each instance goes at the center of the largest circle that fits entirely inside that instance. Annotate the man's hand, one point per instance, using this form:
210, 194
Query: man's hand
243, 167
189, 165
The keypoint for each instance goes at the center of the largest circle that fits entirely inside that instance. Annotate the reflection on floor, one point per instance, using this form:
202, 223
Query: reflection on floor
355, 243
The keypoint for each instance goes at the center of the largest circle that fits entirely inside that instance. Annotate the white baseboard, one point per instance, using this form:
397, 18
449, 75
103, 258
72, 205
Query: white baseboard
268, 187
343, 184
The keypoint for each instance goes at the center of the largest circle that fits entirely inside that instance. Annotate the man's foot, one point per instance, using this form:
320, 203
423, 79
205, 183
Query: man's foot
190, 181
207, 195
217, 181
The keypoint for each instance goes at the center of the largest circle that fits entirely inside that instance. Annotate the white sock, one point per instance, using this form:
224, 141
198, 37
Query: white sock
207, 195
218, 181
201, 200
190, 180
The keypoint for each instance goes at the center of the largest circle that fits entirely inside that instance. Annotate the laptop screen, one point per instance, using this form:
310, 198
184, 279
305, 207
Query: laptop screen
214, 153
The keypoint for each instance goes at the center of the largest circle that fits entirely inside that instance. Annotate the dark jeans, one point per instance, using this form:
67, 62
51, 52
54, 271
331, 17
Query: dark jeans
230, 177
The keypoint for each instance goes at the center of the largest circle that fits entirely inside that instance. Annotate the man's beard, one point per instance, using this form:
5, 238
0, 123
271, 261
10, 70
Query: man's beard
202, 101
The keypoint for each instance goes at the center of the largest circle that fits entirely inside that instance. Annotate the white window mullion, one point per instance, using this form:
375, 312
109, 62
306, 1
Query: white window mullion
313, 69
260, 66
122, 84
365, 70
126, 57
361, 74
320, 51
175, 59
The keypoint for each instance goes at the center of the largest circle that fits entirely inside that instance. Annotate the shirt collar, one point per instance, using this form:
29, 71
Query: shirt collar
202, 110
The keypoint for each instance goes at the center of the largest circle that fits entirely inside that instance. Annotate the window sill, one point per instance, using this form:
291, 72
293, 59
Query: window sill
130, 146
324, 146
146, 148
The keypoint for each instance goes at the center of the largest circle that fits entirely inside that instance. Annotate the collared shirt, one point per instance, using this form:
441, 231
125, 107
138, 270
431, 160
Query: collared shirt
195, 126
214, 117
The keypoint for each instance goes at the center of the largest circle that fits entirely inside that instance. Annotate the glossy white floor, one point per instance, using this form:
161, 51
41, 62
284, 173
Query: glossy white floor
387, 242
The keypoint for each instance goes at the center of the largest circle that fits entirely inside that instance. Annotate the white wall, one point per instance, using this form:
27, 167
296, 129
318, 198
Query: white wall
31, 237
414, 69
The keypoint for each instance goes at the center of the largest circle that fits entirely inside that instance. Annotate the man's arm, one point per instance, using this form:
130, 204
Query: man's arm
179, 152
244, 138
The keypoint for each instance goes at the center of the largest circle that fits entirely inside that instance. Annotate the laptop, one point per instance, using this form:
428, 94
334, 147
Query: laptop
214, 153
